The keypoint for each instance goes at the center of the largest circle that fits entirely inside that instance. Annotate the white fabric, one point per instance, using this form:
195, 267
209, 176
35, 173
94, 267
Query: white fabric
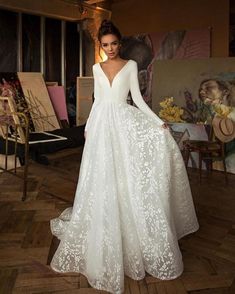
133, 199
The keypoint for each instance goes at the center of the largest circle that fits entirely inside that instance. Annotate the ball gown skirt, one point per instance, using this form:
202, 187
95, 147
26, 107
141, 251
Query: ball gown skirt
133, 200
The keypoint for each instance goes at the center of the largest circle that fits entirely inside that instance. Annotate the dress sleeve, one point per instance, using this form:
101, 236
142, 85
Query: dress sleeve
137, 97
94, 103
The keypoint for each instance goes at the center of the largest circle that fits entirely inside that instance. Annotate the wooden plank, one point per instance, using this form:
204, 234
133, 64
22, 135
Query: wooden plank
35, 236
26, 244
126, 285
83, 282
133, 286
7, 280
175, 287
160, 288
143, 287
152, 289
192, 281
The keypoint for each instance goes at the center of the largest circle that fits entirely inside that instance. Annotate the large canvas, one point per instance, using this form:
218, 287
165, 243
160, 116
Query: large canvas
187, 80
201, 88
58, 99
38, 100
145, 49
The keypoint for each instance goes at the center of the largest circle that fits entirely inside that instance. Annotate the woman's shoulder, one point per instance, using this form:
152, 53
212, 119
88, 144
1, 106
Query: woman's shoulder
96, 64
132, 64
95, 67
131, 61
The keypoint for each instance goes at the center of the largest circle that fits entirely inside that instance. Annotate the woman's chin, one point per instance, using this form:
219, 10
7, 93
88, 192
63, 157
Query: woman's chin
112, 56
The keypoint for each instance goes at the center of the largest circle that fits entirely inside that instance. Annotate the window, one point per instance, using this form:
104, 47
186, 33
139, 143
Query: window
31, 42
8, 41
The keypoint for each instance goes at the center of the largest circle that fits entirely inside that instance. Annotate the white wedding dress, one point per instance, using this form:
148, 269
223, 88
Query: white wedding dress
133, 199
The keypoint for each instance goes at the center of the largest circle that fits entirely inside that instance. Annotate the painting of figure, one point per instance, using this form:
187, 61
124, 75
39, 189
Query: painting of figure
199, 90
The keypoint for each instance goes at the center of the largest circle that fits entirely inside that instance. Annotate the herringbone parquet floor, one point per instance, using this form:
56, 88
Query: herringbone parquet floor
26, 244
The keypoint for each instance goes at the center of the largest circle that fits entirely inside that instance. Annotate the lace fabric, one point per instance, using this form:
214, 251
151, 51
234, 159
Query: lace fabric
133, 200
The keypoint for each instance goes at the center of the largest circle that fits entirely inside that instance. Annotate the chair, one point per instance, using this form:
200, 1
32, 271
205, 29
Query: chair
14, 139
214, 149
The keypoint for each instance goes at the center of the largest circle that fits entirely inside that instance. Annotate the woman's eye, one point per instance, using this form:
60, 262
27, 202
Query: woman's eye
104, 45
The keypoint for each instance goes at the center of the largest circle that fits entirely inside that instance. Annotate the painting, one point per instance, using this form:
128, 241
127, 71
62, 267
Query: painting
145, 49
38, 101
58, 99
194, 91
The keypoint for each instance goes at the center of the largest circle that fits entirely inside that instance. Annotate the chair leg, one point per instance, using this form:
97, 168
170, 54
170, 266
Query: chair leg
210, 165
225, 171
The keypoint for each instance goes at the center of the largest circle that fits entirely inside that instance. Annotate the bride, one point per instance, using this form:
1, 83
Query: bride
133, 200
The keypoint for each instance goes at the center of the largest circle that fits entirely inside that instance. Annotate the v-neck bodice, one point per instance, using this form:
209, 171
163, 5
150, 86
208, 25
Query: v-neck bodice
124, 82
118, 90
118, 72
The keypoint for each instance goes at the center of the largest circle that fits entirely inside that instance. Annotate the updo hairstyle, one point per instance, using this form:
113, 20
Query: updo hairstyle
106, 28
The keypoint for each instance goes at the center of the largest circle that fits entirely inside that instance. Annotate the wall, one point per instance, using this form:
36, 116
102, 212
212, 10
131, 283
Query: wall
54, 8
137, 16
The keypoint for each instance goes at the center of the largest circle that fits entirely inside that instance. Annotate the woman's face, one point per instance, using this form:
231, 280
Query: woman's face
210, 92
111, 45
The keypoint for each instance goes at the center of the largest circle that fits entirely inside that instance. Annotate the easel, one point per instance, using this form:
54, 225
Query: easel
14, 129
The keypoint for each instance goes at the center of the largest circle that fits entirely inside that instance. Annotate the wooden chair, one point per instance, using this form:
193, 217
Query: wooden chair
14, 134
208, 151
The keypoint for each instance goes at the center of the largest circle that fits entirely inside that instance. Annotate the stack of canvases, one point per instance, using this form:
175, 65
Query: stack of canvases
27, 93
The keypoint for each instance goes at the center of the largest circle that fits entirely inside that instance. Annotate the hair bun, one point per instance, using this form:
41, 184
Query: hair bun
106, 23
106, 28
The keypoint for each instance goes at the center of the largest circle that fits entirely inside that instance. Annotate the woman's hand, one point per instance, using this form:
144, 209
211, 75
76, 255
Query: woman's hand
165, 126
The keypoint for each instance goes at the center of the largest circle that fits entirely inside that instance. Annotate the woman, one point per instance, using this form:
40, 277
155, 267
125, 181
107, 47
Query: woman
133, 200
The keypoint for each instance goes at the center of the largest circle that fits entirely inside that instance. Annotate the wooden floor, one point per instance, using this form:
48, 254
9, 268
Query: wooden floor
26, 244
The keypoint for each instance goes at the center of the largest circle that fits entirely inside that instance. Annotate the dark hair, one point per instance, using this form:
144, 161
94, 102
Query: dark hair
221, 84
106, 28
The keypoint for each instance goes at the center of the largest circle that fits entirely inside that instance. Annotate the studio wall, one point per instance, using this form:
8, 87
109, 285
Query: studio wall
137, 16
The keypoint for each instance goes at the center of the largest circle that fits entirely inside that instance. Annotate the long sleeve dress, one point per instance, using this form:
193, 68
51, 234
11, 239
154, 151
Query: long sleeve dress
133, 200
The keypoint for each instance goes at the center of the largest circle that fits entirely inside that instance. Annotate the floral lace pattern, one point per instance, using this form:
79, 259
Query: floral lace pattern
133, 200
